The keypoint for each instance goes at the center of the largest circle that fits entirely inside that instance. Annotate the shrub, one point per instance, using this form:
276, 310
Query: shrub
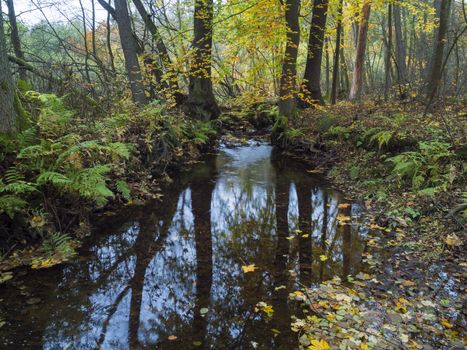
427, 169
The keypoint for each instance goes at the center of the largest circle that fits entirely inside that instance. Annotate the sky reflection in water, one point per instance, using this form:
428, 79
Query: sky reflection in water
150, 271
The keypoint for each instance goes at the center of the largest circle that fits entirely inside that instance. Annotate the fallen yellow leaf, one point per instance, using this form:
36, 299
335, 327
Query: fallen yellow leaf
446, 323
453, 240
323, 257
343, 205
319, 345
248, 268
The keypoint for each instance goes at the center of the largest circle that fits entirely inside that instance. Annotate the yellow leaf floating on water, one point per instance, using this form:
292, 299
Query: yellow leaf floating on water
248, 268
323, 257
267, 309
364, 346
306, 235
343, 218
43, 264
319, 345
343, 205
289, 238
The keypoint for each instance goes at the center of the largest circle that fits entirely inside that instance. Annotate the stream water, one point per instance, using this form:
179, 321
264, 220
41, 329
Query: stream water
168, 275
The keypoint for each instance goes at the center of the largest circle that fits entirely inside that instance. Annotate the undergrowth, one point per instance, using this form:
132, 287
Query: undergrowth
409, 163
63, 166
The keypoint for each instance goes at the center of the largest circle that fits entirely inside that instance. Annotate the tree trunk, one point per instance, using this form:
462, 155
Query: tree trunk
7, 90
335, 70
15, 40
201, 100
357, 78
287, 103
171, 75
311, 88
130, 49
387, 63
400, 52
434, 78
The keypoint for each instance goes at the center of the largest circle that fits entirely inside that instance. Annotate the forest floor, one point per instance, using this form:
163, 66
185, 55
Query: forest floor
408, 170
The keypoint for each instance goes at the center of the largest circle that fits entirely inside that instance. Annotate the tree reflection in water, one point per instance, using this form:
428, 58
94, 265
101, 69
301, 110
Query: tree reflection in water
173, 268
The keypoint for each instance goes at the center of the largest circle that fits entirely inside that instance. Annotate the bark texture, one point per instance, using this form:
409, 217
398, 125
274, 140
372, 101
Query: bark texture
400, 51
311, 88
335, 70
287, 102
130, 49
166, 62
7, 89
201, 101
434, 78
357, 79
15, 40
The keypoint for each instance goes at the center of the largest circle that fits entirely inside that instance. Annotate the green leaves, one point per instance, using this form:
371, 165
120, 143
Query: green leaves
425, 168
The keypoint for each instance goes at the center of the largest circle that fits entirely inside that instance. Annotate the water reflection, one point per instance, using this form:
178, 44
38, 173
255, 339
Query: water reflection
173, 269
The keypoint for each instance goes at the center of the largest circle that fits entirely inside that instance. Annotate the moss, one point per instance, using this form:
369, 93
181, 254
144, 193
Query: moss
4, 85
22, 116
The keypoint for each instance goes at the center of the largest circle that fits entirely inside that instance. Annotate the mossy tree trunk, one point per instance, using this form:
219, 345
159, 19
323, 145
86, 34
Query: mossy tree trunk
15, 40
288, 81
201, 101
287, 102
311, 87
7, 89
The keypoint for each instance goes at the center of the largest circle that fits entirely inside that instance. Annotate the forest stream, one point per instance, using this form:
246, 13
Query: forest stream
211, 265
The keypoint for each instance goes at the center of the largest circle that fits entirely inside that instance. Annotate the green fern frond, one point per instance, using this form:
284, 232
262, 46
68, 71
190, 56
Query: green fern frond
119, 149
18, 187
57, 179
58, 243
27, 138
13, 175
11, 204
123, 189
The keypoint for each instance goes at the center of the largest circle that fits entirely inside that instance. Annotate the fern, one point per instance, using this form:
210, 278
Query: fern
58, 244
119, 150
27, 138
56, 179
15, 183
11, 204
123, 189
13, 175
90, 183
382, 138
424, 168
